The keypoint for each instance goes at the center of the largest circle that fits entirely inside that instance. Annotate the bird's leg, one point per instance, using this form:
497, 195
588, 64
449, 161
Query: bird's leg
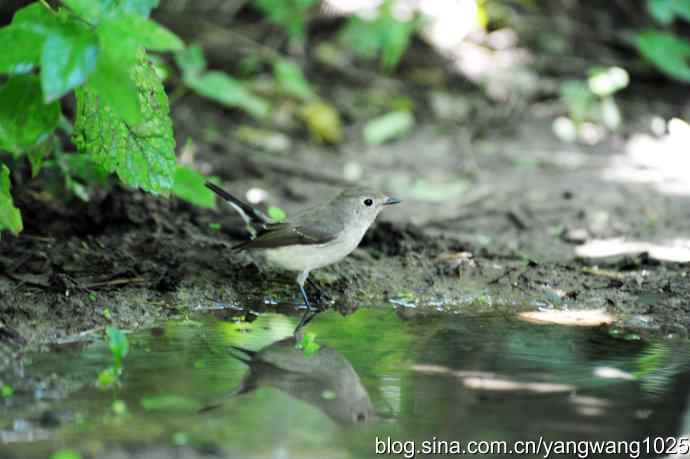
306, 318
301, 279
319, 292
310, 313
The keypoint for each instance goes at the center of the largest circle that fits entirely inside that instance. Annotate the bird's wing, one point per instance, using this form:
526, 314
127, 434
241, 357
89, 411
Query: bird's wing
276, 235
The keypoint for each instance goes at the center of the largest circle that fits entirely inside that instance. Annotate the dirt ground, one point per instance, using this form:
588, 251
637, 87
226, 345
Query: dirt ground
498, 214
505, 244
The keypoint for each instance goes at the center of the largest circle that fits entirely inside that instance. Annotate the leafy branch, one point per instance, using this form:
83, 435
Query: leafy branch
96, 48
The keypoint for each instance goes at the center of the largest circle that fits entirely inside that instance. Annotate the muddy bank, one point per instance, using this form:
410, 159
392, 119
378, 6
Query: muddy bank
130, 259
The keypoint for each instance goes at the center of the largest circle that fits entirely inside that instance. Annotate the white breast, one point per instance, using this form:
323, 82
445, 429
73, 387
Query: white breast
309, 257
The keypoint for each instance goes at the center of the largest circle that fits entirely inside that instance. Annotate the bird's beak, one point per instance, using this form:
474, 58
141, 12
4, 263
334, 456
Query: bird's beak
391, 200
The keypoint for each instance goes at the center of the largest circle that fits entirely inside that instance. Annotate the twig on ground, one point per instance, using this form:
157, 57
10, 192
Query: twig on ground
114, 283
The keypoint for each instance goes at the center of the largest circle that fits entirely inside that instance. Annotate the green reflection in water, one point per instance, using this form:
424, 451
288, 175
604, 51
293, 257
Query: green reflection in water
377, 373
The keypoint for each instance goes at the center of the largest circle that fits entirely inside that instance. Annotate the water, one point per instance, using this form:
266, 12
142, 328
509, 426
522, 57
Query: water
378, 374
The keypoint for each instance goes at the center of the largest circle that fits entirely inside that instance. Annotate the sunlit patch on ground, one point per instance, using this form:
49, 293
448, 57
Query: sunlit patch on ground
663, 161
677, 250
582, 318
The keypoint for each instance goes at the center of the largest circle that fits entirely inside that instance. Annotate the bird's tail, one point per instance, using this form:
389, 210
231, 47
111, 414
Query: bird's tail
251, 216
248, 383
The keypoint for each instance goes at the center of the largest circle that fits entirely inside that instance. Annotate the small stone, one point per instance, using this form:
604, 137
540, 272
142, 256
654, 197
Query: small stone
454, 260
575, 235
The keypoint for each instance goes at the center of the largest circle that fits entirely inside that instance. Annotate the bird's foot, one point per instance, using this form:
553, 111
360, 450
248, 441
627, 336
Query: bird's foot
310, 312
317, 307
312, 307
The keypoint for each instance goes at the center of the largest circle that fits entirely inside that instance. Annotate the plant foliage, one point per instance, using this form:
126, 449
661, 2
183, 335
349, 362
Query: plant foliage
216, 85
668, 51
9, 215
143, 154
384, 36
25, 120
671, 54
96, 48
119, 348
292, 15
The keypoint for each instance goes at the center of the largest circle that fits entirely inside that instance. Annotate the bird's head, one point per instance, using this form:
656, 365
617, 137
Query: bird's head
362, 205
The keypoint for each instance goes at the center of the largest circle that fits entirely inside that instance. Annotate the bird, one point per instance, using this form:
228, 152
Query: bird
284, 366
313, 238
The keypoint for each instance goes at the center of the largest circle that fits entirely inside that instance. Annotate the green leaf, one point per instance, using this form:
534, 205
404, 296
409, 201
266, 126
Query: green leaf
189, 185
222, 88
95, 10
10, 217
24, 119
665, 11
141, 7
606, 81
29, 28
36, 156
578, 98
113, 83
68, 58
323, 121
112, 80
289, 14
291, 80
89, 10
682, 9
107, 378
84, 167
216, 85
118, 344
384, 36
308, 344
361, 36
668, 52
143, 154
276, 213
147, 33
65, 454
122, 38
24, 53
78, 168
387, 127
77, 189
191, 61
119, 407
661, 10
35, 18
6, 391
124, 34
396, 42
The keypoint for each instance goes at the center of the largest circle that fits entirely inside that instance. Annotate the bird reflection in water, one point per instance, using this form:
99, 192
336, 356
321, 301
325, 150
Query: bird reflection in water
324, 379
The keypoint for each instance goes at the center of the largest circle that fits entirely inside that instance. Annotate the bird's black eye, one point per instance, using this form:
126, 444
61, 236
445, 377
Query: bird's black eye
368, 202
